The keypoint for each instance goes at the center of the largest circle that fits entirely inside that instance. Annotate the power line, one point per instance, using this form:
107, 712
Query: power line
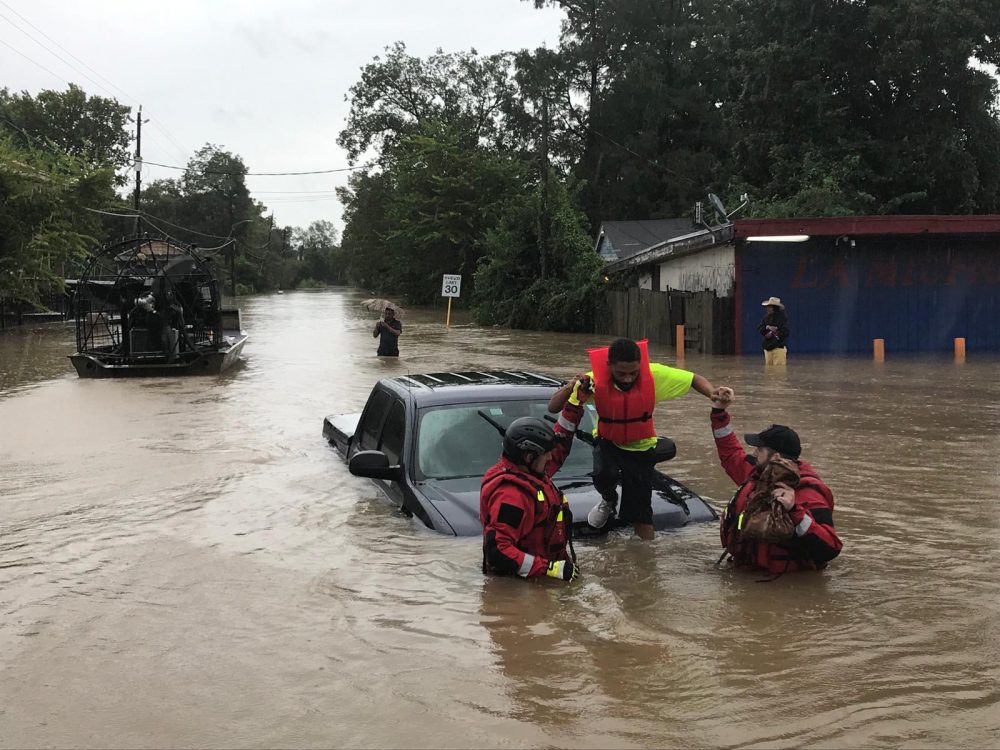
651, 162
97, 83
34, 62
147, 217
228, 240
294, 192
185, 229
12, 10
180, 148
256, 174
110, 213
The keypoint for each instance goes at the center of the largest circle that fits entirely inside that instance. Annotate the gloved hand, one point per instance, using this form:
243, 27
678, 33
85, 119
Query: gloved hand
584, 390
564, 570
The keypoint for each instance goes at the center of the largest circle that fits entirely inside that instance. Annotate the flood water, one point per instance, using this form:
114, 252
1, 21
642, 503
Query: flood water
187, 563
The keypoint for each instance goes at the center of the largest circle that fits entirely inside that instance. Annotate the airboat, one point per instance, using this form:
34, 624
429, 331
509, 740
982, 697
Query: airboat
148, 306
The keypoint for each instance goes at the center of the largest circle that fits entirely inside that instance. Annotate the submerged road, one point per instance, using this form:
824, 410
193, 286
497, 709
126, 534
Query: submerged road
187, 563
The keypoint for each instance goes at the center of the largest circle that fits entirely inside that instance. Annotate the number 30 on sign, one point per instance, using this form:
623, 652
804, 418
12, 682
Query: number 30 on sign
451, 285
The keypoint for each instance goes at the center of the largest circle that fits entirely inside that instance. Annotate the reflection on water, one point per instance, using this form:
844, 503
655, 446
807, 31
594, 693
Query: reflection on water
187, 563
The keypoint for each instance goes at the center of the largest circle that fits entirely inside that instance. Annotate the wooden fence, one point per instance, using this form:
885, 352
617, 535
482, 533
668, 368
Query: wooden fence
635, 313
55, 306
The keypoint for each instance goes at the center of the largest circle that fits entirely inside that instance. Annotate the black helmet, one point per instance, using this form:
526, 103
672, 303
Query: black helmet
527, 435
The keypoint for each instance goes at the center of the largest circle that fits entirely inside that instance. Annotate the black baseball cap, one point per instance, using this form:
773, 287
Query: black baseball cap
778, 438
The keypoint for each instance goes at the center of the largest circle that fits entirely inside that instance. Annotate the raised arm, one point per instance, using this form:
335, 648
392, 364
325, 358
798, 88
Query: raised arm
737, 462
565, 430
701, 384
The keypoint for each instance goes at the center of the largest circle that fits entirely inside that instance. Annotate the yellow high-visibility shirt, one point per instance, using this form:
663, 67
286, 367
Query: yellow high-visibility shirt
668, 382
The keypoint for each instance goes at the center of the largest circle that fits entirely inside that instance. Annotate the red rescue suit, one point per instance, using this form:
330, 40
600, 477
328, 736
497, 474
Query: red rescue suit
624, 416
526, 519
815, 543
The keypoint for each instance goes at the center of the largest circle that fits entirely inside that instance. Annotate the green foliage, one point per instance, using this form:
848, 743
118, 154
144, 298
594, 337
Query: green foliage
319, 260
211, 206
311, 283
864, 107
509, 288
93, 130
43, 228
402, 96
427, 213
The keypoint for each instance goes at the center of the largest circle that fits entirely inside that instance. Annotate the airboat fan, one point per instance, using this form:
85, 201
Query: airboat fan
151, 306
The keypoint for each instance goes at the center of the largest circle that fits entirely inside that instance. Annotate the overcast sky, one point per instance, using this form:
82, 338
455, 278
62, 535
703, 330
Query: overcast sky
265, 80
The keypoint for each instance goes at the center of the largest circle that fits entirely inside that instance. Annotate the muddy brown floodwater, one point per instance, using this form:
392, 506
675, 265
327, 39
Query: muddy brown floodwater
187, 563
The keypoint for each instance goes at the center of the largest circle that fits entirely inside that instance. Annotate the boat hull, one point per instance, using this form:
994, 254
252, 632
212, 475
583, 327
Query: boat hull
207, 363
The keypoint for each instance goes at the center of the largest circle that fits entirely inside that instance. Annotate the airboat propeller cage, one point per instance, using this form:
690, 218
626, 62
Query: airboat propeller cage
114, 321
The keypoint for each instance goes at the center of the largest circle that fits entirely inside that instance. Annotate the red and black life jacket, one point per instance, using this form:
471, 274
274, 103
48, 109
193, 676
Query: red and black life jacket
624, 416
551, 525
773, 558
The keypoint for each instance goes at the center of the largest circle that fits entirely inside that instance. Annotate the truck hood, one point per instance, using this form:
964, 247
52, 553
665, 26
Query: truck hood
459, 504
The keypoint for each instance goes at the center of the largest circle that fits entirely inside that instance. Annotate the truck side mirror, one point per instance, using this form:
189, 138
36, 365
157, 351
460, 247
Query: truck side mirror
374, 465
665, 449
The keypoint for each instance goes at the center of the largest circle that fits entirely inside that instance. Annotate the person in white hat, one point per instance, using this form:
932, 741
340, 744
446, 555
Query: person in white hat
774, 329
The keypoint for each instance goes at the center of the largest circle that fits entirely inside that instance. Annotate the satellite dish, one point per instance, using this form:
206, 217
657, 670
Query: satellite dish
717, 205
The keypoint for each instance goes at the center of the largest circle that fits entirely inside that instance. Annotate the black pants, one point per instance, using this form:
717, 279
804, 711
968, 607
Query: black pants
635, 470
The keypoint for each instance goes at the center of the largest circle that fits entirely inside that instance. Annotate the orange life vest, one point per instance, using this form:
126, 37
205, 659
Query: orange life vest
624, 416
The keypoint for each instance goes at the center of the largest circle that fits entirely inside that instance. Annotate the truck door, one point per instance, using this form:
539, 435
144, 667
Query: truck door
366, 437
391, 442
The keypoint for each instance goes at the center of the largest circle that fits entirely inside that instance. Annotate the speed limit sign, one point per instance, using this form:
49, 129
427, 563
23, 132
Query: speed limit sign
451, 285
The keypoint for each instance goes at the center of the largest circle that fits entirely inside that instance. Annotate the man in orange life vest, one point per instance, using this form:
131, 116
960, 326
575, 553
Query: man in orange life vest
627, 387
526, 519
809, 505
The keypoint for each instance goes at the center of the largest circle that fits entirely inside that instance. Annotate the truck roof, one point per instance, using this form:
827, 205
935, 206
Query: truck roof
470, 386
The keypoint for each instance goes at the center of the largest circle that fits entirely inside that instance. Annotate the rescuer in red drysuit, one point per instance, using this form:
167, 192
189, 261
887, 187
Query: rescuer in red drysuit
526, 520
810, 505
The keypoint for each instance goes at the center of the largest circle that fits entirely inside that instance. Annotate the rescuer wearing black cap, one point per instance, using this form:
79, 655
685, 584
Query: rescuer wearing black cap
778, 438
812, 540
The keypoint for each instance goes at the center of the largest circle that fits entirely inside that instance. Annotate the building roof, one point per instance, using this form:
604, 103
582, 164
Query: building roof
869, 225
623, 239
702, 239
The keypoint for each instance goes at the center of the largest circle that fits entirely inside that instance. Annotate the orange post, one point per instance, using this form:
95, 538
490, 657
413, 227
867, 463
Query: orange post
679, 333
960, 349
879, 349
447, 322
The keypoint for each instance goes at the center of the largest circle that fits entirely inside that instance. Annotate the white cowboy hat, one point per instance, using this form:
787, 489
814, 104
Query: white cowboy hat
773, 301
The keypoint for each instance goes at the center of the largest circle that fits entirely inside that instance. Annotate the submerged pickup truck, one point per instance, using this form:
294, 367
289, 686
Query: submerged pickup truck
426, 441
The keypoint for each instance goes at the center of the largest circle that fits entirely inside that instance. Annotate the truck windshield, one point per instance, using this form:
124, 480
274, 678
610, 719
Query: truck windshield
455, 441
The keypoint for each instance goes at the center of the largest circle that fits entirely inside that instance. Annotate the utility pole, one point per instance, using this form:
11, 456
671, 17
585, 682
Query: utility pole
138, 170
232, 268
281, 260
543, 219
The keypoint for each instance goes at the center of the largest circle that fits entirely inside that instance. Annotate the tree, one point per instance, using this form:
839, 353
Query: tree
43, 225
650, 134
319, 258
509, 290
402, 95
427, 213
865, 107
92, 129
211, 206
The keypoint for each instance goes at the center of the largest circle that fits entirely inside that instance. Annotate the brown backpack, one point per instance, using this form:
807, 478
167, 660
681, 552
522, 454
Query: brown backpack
764, 519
